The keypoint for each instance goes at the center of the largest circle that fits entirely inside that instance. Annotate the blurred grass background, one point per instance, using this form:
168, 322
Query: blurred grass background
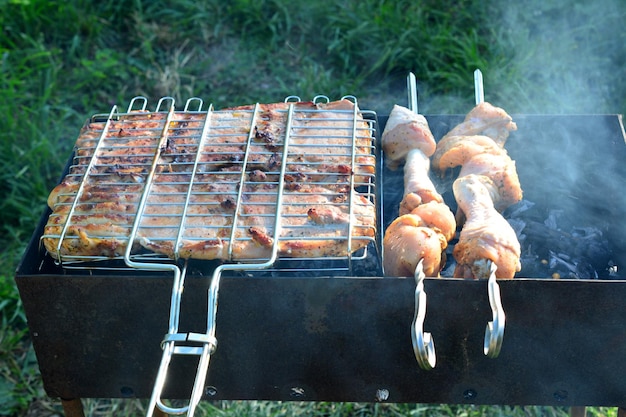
61, 61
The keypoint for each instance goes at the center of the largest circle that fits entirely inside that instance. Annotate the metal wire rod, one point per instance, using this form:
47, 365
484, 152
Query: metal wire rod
479, 91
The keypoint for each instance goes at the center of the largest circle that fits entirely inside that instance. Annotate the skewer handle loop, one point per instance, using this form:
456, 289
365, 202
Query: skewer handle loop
494, 333
423, 344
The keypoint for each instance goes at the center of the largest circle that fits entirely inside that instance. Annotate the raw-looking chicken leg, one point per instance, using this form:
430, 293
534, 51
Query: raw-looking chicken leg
481, 155
453, 151
421, 234
425, 224
404, 132
488, 176
488, 120
418, 187
500, 170
486, 235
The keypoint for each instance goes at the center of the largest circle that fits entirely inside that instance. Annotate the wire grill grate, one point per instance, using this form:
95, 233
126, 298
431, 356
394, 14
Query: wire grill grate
209, 182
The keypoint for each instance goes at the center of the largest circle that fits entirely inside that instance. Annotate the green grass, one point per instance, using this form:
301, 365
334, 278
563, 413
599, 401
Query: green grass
61, 61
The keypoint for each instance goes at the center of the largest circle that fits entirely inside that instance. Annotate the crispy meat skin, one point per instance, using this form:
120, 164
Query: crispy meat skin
318, 173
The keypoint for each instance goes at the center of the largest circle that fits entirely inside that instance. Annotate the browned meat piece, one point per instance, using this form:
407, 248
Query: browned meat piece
301, 235
215, 184
321, 138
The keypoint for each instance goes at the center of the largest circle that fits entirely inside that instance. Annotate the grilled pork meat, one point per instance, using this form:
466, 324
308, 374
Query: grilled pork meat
318, 140
211, 184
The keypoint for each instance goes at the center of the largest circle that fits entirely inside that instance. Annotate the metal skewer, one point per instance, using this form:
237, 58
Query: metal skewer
423, 344
494, 333
479, 91
411, 86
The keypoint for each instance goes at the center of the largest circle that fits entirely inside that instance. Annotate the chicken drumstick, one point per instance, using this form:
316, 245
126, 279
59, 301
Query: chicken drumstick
425, 224
487, 184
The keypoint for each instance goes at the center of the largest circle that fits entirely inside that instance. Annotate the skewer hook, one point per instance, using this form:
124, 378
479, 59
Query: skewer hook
423, 344
494, 333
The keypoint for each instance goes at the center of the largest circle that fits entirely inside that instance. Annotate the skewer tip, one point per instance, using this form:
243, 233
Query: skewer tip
479, 91
412, 90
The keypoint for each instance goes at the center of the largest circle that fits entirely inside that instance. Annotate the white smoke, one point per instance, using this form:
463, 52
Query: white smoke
567, 56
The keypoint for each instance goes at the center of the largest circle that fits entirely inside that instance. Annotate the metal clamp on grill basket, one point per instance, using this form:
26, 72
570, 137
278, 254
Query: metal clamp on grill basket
244, 187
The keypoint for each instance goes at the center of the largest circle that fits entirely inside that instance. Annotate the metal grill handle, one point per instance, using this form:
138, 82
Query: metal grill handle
208, 340
175, 343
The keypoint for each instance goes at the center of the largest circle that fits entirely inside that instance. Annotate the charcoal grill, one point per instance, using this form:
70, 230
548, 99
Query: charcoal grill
343, 334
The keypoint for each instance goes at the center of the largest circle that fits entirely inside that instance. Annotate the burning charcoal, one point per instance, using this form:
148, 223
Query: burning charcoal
553, 216
549, 250
585, 270
448, 271
580, 269
592, 245
518, 209
518, 226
